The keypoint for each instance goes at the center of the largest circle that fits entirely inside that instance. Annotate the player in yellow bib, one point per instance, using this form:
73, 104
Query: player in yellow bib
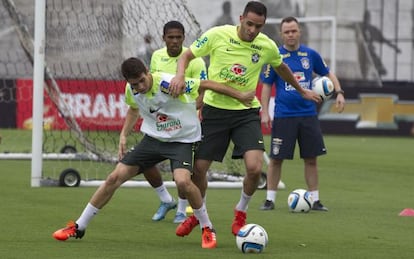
165, 60
237, 54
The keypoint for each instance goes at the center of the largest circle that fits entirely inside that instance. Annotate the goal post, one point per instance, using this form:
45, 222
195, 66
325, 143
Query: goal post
38, 82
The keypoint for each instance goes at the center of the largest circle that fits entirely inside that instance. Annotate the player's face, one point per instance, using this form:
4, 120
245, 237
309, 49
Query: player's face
173, 39
250, 26
290, 33
141, 84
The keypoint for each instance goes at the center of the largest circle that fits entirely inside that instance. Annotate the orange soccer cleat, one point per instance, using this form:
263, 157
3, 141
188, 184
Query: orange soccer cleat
208, 238
239, 221
71, 230
187, 226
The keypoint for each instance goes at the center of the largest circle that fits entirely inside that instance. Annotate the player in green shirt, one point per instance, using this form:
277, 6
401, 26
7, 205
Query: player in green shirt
165, 60
237, 54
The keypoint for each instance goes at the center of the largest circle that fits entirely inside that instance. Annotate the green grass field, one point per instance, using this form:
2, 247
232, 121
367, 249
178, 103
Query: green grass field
364, 181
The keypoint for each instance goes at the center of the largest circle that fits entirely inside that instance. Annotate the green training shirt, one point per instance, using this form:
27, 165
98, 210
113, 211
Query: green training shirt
234, 62
162, 62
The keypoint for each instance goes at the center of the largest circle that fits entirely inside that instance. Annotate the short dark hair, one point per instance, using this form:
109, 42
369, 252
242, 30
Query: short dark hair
255, 7
288, 19
132, 68
173, 25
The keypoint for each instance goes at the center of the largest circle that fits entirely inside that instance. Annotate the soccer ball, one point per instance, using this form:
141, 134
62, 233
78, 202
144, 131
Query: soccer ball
252, 238
300, 200
323, 86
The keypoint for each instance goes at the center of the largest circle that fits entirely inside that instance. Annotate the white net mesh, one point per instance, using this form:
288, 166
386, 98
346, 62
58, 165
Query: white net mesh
86, 41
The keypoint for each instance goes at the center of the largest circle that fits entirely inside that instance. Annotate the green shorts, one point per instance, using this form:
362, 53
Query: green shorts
151, 151
219, 126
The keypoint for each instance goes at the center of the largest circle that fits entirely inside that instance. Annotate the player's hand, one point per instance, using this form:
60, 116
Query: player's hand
247, 98
340, 103
199, 100
265, 119
122, 147
177, 85
312, 96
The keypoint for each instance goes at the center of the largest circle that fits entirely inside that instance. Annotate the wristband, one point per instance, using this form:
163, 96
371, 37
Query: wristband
340, 92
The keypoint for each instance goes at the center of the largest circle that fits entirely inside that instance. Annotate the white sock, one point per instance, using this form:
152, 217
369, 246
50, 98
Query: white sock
202, 216
271, 195
243, 202
182, 206
88, 213
163, 194
315, 195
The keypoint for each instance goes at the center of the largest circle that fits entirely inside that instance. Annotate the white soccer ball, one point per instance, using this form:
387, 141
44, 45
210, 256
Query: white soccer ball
323, 86
252, 238
300, 200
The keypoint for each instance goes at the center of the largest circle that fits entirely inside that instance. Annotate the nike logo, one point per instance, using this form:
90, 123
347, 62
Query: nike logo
260, 141
186, 163
229, 49
152, 110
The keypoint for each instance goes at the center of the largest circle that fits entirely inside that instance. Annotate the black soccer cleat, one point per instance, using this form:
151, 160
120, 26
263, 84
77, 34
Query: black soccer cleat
317, 205
268, 205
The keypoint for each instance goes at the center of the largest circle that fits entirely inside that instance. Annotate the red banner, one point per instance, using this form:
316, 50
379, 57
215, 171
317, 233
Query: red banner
96, 105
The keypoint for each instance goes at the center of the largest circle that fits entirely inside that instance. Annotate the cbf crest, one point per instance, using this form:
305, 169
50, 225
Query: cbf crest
305, 63
255, 57
276, 143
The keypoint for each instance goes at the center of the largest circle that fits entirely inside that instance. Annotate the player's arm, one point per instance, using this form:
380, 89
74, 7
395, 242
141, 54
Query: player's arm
198, 69
244, 97
286, 74
340, 94
177, 84
265, 100
335, 82
131, 118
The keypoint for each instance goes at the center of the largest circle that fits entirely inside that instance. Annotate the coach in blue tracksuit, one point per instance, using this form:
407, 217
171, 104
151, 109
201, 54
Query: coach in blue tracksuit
295, 119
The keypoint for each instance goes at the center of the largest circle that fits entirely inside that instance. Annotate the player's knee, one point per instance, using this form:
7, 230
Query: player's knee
183, 185
310, 161
254, 169
275, 162
112, 179
253, 176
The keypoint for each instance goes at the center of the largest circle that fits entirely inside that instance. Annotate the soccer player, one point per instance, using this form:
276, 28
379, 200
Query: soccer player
237, 54
165, 60
171, 127
295, 119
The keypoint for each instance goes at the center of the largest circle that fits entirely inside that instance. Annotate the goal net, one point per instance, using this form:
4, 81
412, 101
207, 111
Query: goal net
86, 41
